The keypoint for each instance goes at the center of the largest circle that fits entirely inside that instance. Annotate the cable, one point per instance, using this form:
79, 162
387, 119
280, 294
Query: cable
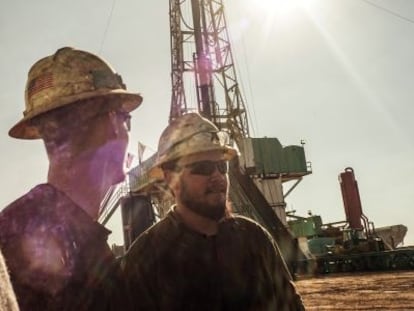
389, 11
107, 27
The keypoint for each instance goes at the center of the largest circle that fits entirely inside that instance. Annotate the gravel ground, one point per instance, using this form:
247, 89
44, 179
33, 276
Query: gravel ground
362, 291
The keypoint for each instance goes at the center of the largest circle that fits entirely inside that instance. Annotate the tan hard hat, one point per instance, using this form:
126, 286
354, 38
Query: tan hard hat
69, 76
186, 135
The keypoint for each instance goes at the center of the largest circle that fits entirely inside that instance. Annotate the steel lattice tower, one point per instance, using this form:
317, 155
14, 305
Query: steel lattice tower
201, 60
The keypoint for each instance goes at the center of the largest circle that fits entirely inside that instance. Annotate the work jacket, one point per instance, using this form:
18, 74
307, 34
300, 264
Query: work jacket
58, 255
171, 267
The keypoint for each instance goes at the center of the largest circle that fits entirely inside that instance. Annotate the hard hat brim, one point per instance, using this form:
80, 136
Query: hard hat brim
24, 130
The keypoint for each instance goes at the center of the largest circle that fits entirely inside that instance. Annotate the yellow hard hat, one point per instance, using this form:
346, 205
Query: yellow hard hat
68, 76
186, 135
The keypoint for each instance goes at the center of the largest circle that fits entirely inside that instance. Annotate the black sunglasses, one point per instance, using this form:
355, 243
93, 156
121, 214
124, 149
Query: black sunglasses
206, 168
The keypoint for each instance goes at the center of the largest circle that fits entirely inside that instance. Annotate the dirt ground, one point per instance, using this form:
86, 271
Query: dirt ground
367, 291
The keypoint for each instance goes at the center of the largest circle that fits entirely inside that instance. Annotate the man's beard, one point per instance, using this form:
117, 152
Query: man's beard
211, 211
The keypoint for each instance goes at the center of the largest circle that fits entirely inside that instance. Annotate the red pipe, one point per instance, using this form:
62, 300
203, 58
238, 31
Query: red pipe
351, 199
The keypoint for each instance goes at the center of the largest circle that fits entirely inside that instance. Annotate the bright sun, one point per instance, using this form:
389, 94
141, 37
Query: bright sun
280, 7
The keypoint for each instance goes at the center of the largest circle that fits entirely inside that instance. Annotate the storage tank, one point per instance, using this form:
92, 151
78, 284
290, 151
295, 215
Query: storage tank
351, 199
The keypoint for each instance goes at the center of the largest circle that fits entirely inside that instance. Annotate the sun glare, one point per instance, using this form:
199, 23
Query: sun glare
279, 7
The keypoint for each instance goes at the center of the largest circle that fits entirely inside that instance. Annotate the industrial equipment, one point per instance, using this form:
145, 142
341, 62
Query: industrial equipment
351, 245
202, 61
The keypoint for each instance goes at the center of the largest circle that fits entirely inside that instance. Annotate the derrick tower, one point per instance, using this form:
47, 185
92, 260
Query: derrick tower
201, 57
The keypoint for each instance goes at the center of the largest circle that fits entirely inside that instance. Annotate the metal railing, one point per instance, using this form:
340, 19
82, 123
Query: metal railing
112, 200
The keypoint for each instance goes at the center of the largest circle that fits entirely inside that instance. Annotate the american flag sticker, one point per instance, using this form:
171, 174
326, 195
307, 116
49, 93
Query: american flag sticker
40, 83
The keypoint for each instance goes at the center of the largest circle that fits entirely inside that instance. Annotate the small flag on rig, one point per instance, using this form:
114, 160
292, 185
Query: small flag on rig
129, 159
141, 149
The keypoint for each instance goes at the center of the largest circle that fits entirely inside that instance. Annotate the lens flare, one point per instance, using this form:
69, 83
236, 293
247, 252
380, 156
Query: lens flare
280, 7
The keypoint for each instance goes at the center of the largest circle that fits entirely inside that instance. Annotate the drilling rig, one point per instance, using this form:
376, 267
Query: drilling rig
202, 64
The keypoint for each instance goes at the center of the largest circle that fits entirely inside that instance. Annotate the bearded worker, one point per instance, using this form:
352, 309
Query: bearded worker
200, 256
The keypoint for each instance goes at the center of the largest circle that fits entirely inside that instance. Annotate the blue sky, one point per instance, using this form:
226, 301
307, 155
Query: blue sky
335, 73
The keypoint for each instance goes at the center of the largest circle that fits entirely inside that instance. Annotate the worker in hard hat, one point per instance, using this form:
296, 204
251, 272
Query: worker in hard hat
56, 251
200, 256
